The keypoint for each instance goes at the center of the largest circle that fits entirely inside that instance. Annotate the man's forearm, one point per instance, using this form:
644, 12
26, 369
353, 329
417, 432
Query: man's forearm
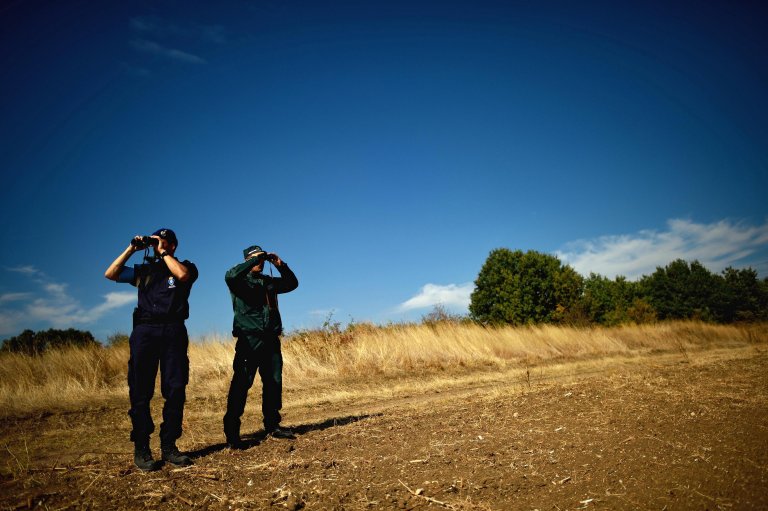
177, 269
288, 280
113, 272
241, 270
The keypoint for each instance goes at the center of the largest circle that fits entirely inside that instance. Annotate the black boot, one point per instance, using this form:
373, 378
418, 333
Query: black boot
278, 432
235, 443
172, 455
232, 434
142, 457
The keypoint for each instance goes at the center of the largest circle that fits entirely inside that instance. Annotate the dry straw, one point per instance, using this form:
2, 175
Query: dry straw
363, 354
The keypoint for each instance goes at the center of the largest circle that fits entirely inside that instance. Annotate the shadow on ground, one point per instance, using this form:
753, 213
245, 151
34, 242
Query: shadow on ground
253, 439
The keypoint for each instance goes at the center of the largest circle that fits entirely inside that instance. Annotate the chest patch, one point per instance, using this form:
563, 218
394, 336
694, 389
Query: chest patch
171, 282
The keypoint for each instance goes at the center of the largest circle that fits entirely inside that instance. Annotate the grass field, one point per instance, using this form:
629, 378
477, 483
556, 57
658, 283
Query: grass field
445, 416
322, 364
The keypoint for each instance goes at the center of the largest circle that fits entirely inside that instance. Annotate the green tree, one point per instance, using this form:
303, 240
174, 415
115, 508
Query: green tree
22, 343
684, 291
607, 301
640, 311
744, 297
118, 339
523, 288
33, 343
439, 314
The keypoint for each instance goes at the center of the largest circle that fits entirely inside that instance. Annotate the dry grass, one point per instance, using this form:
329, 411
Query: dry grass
357, 359
399, 350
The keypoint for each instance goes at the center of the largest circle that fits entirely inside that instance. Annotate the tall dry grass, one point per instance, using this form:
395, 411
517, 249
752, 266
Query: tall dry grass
446, 346
81, 377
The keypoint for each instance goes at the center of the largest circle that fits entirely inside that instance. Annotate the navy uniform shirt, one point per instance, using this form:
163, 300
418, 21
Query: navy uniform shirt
161, 295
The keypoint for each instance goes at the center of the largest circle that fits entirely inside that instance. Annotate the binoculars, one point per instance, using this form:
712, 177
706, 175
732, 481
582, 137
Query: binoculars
144, 242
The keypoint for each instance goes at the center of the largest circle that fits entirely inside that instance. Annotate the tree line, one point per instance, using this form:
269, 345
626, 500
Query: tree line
35, 343
516, 287
519, 288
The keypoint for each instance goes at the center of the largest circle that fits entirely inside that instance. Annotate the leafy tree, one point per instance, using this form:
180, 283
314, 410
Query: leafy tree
22, 343
118, 339
33, 343
640, 311
523, 288
607, 301
683, 291
439, 314
744, 296
764, 298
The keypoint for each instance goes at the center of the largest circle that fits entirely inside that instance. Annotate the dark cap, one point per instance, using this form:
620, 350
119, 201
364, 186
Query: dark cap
253, 249
167, 235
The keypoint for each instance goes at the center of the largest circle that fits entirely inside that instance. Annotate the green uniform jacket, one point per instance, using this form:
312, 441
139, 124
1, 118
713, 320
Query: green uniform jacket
254, 299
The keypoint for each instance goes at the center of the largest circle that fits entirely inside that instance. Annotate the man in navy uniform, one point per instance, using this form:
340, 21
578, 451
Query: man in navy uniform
257, 326
158, 337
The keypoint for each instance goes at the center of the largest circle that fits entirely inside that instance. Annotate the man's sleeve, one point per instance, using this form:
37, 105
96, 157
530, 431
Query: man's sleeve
287, 281
127, 275
193, 273
240, 271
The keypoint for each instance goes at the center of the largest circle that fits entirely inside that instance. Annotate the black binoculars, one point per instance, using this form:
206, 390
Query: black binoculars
144, 242
266, 257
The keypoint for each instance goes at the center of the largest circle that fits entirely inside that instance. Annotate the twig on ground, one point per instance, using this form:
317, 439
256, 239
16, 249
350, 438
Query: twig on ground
15, 458
91, 484
705, 496
184, 500
430, 499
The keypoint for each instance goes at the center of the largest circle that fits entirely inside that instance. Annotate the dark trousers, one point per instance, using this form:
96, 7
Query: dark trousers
251, 355
166, 346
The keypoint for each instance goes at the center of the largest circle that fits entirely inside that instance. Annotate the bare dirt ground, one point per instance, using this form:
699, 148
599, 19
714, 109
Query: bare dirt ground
661, 431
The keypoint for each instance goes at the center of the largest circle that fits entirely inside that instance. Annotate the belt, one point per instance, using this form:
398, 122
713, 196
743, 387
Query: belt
158, 319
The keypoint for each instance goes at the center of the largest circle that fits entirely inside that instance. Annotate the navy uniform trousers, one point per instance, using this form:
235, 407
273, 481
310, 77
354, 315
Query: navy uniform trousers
152, 345
252, 354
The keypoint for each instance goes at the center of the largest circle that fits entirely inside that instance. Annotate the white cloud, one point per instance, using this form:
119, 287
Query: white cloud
162, 28
26, 270
451, 295
14, 297
163, 51
112, 300
53, 307
323, 312
716, 246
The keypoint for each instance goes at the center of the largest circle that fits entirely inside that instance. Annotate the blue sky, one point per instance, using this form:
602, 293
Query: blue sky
383, 149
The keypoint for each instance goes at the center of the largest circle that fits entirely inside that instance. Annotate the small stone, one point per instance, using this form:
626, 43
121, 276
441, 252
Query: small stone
293, 503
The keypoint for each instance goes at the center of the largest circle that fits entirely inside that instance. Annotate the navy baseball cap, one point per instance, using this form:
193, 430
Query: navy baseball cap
253, 249
168, 235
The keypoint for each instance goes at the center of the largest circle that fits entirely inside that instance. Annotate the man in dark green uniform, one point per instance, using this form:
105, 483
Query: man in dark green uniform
257, 326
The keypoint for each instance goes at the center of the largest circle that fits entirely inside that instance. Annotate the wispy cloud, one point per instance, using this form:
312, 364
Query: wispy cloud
172, 40
455, 296
323, 313
52, 306
14, 297
716, 246
26, 270
161, 51
158, 27
134, 70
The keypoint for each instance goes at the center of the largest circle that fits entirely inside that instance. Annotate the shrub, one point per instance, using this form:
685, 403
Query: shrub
33, 343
